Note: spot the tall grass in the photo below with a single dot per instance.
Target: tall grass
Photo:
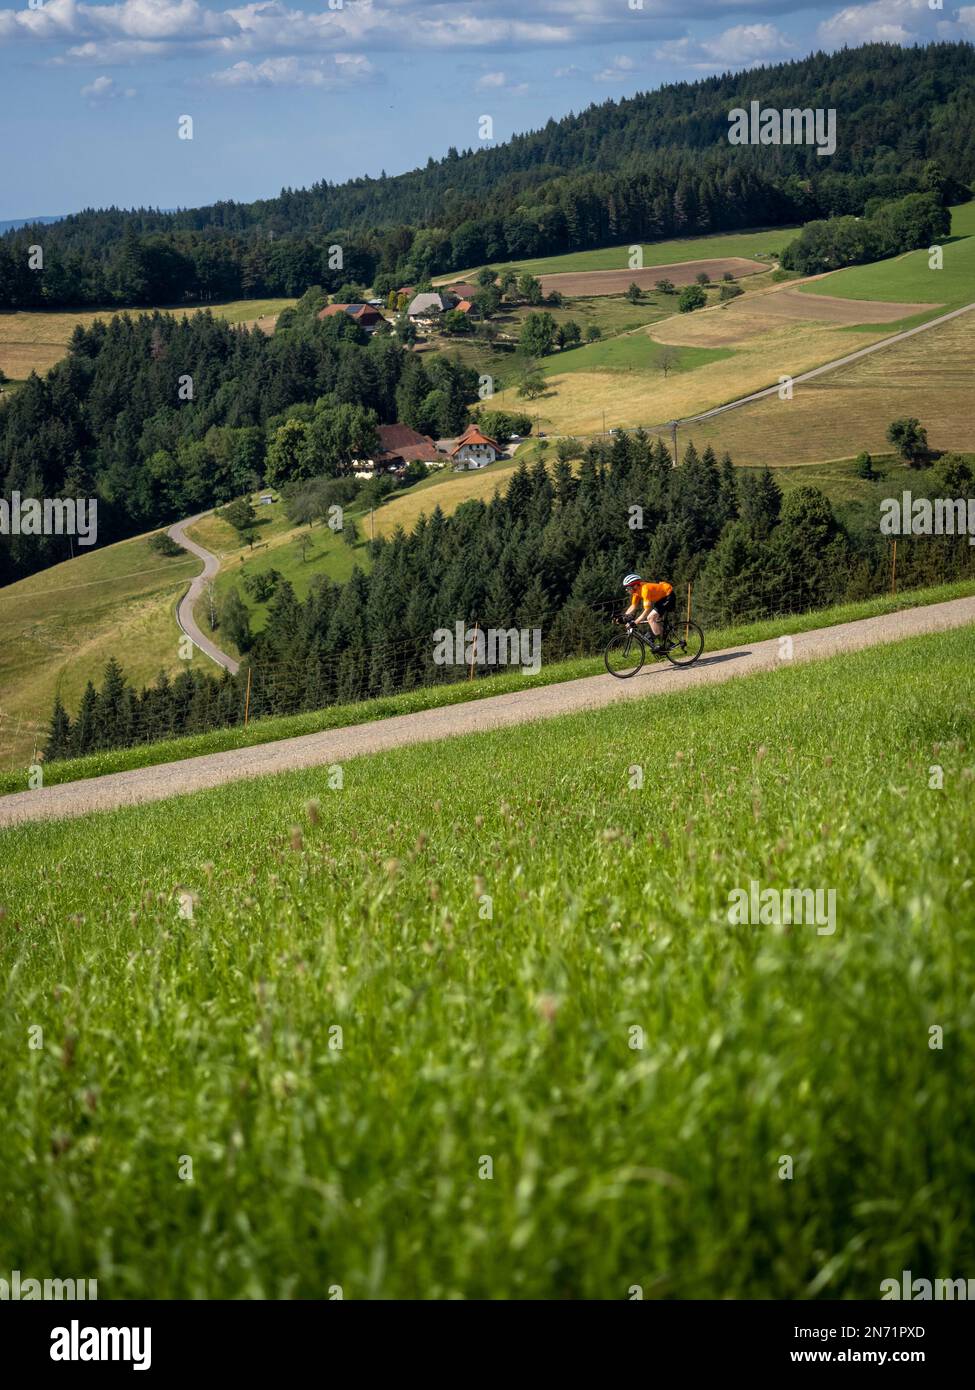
(487, 921)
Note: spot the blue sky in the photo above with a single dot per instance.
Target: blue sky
(290, 91)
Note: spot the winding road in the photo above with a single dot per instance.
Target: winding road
(493, 712)
(184, 609)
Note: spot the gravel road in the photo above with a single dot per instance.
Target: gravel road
(184, 609)
(493, 712)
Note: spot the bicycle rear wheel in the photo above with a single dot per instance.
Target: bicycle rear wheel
(624, 655)
(685, 643)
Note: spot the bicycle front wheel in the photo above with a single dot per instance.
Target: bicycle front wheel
(686, 643)
(624, 655)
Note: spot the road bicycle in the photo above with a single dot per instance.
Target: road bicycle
(682, 643)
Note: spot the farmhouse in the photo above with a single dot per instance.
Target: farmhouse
(364, 314)
(475, 450)
(423, 306)
(462, 290)
(398, 446)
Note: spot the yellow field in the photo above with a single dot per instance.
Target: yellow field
(447, 493)
(837, 415)
(34, 340)
(59, 627)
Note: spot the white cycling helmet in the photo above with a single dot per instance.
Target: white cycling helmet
(631, 579)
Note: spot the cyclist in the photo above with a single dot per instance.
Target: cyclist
(657, 599)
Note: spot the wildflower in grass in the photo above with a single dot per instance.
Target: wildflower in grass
(312, 809)
(297, 840)
(547, 1006)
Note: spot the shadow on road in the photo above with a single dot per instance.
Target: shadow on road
(714, 660)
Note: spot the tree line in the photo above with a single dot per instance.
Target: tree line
(888, 229)
(657, 165)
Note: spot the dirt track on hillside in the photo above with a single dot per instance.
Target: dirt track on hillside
(595, 282)
(496, 711)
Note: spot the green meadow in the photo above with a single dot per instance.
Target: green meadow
(272, 728)
(632, 352)
(701, 248)
(909, 278)
(476, 1023)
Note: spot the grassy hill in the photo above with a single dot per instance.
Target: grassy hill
(837, 415)
(752, 245)
(59, 627)
(910, 277)
(728, 350)
(278, 548)
(482, 1016)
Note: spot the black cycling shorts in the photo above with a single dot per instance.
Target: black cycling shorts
(665, 604)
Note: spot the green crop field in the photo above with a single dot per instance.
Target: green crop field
(477, 1024)
(632, 352)
(909, 278)
(748, 244)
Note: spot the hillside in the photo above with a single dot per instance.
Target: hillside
(484, 1016)
(656, 165)
(59, 627)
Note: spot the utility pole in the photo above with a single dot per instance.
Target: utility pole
(673, 427)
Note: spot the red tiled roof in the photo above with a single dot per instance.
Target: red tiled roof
(472, 435)
(464, 307)
(331, 309)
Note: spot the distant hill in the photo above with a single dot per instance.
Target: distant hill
(647, 167)
(18, 222)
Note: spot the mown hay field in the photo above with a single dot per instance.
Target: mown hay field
(929, 375)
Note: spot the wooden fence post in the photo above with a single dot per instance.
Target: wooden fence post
(688, 619)
(893, 570)
(247, 698)
(473, 651)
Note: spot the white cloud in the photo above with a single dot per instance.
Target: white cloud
(105, 89)
(331, 73)
(268, 26)
(497, 81)
(743, 45)
(619, 69)
(883, 21)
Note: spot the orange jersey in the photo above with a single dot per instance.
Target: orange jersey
(651, 594)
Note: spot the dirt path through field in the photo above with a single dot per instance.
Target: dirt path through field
(493, 712)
